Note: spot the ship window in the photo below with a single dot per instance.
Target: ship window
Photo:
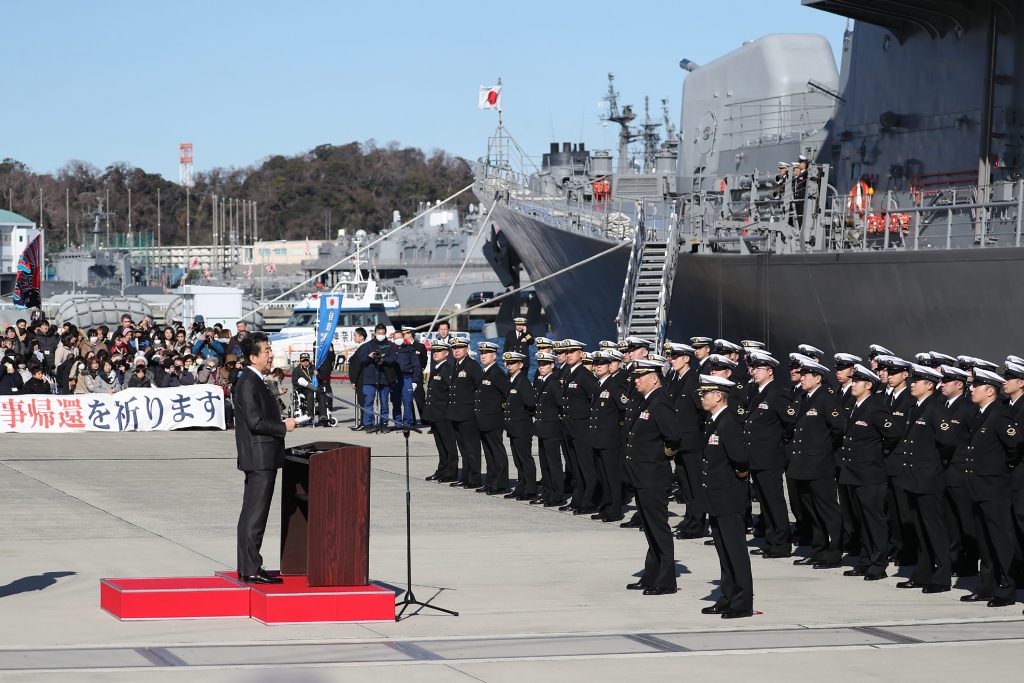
(301, 319)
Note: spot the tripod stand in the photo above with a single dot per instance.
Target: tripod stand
(409, 599)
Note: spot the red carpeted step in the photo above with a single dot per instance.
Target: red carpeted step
(194, 597)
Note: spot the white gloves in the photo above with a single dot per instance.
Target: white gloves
(303, 382)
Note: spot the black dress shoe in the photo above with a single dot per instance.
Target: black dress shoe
(565, 508)
(909, 583)
(973, 597)
(584, 511)
(825, 565)
(606, 520)
(710, 541)
(262, 576)
(597, 515)
(433, 477)
(1000, 602)
(714, 609)
(771, 555)
(446, 480)
(482, 489)
(757, 551)
(635, 586)
(358, 428)
(537, 500)
(875, 577)
(497, 492)
(855, 572)
(457, 483)
(935, 589)
(512, 494)
(524, 496)
(805, 560)
(633, 523)
(660, 591)
(687, 534)
(553, 504)
(737, 613)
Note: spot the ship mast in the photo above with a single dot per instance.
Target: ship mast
(649, 134)
(623, 118)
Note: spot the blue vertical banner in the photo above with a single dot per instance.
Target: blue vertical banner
(326, 320)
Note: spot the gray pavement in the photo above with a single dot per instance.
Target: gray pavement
(541, 593)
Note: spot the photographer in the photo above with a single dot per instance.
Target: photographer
(409, 377)
(198, 329)
(207, 345)
(378, 359)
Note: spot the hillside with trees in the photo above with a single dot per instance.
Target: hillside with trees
(352, 186)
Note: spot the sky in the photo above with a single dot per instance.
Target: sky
(116, 81)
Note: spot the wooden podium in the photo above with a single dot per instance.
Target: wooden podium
(325, 514)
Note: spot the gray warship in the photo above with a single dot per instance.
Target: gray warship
(897, 222)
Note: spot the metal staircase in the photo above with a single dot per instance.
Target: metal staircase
(647, 292)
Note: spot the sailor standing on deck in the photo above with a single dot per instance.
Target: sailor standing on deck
(963, 533)
(724, 488)
(578, 386)
(850, 534)
(651, 441)
(607, 416)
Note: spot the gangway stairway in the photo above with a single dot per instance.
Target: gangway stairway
(647, 291)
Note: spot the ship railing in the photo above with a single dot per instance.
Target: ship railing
(776, 119)
(632, 274)
(890, 222)
(574, 211)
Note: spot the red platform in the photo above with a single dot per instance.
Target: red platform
(295, 602)
(222, 595)
(199, 597)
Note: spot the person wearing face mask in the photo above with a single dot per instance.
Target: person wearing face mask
(405, 381)
(378, 360)
(91, 344)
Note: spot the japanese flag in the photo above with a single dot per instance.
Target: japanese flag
(332, 301)
(490, 97)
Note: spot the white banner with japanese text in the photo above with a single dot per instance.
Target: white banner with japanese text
(130, 410)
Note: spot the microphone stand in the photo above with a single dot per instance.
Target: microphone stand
(409, 599)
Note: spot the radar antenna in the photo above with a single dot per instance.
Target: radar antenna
(623, 118)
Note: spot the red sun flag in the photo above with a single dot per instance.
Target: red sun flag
(490, 97)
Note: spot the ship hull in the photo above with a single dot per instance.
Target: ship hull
(953, 301)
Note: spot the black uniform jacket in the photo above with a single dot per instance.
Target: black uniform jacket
(520, 345)
(652, 429)
(259, 431)
(963, 416)
(993, 451)
(547, 424)
(519, 406)
(929, 442)
(577, 391)
(768, 426)
(900, 409)
(466, 375)
(607, 414)
(490, 395)
(725, 458)
(438, 387)
(691, 415)
(1017, 413)
(816, 437)
(868, 427)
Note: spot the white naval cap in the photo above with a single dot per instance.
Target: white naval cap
(863, 373)
(809, 350)
(714, 383)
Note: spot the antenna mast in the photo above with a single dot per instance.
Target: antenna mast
(623, 118)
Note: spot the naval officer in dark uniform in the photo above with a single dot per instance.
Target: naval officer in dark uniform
(578, 385)
(993, 453)
(651, 441)
(438, 387)
(724, 488)
(768, 426)
(519, 340)
(547, 423)
(491, 393)
(259, 439)
(928, 444)
(816, 436)
(869, 425)
(466, 376)
(518, 417)
(607, 415)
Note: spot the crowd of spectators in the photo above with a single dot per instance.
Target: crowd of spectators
(40, 357)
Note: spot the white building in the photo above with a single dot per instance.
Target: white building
(15, 234)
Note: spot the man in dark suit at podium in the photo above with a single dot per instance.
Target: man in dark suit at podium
(259, 438)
